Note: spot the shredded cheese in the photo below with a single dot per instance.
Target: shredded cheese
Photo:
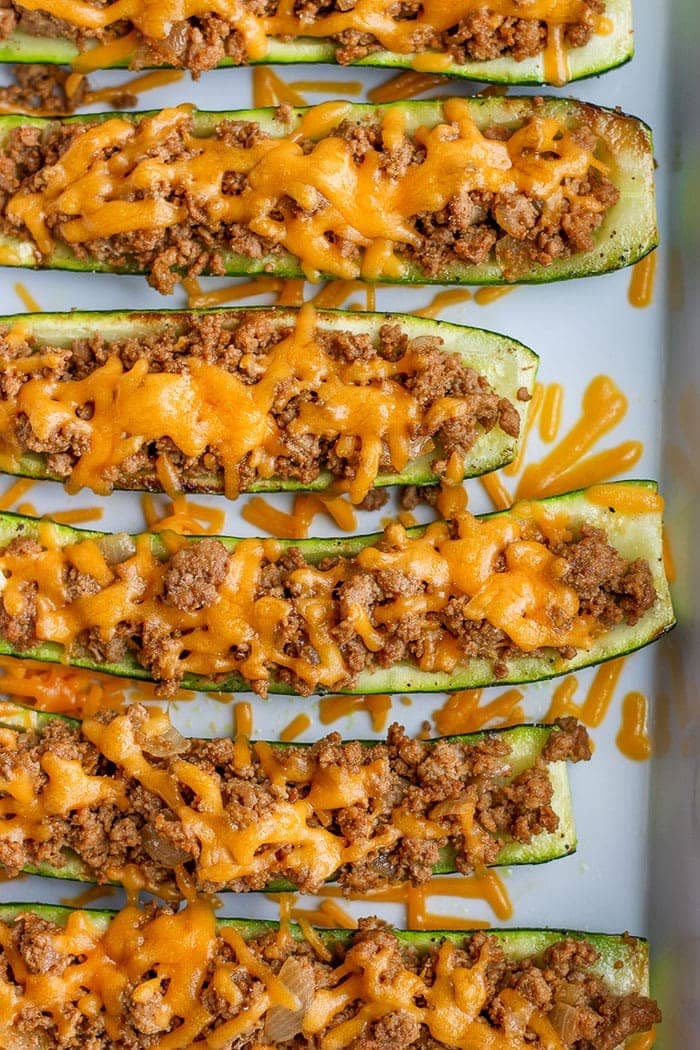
(258, 512)
(550, 416)
(69, 690)
(15, 491)
(26, 297)
(604, 405)
(377, 706)
(102, 186)
(295, 728)
(405, 85)
(633, 736)
(230, 293)
(596, 703)
(329, 87)
(443, 299)
(184, 517)
(496, 490)
(484, 885)
(271, 90)
(533, 412)
(486, 296)
(641, 288)
(77, 515)
(114, 93)
(328, 915)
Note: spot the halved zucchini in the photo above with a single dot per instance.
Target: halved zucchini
(505, 363)
(627, 233)
(630, 517)
(526, 743)
(121, 951)
(604, 51)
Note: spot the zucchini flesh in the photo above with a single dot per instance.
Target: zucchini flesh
(505, 363)
(633, 535)
(526, 743)
(628, 233)
(603, 52)
(623, 961)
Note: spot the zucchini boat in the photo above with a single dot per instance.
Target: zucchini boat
(455, 191)
(522, 595)
(560, 41)
(334, 989)
(364, 813)
(176, 397)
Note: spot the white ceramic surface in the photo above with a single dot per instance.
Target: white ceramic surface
(580, 329)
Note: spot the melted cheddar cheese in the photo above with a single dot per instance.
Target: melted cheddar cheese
(337, 217)
(166, 962)
(507, 578)
(377, 17)
(364, 406)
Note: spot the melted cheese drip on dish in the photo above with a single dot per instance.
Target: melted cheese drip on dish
(365, 406)
(228, 849)
(377, 17)
(633, 737)
(641, 288)
(567, 466)
(260, 513)
(110, 971)
(527, 599)
(463, 712)
(108, 182)
(594, 708)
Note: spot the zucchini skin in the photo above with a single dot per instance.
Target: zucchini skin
(526, 743)
(623, 962)
(628, 233)
(601, 54)
(630, 535)
(507, 363)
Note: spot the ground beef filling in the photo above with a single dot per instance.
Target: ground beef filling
(242, 350)
(561, 983)
(610, 589)
(514, 230)
(201, 43)
(423, 781)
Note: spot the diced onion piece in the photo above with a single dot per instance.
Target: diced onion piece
(117, 548)
(281, 1024)
(564, 1020)
(451, 807)
(161, 849)
(164, 745)
(28, 1041)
